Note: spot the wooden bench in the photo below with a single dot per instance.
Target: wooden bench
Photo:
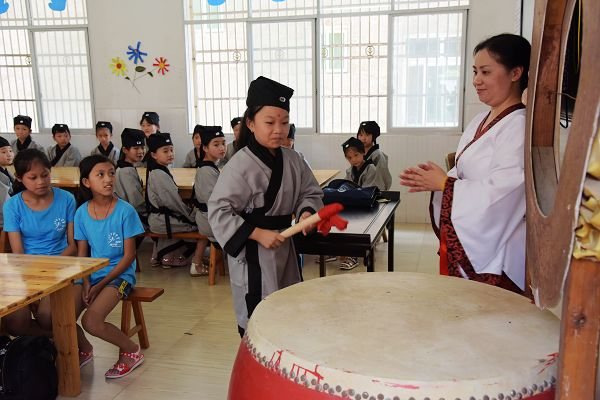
(216, 261)
(134, 302)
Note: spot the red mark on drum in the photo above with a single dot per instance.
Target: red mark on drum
(396, 385)
(552, 359)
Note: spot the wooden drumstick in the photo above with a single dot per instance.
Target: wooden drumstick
(324, 214)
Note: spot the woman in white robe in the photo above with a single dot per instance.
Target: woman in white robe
(478, 207)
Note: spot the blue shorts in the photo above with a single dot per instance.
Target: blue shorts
(123, 287)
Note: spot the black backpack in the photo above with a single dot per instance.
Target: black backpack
(27, 368)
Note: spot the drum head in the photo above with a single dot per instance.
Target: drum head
(406, 335)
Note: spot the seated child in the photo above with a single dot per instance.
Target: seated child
(167, 213)
(368, 132)
(105, 227)
(233, 147)
(104, 132)
(363, 173)
(23, 141)
(63, 154)
(214, 149)
(39, 220)
(195, 156)
(288, 142)
(149, 124)
(128, 185)
(6, 177)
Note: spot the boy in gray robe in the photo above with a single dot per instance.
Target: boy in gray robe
(368, 132)
(22, 124)
(362, 172)
(128, 185)
(255, 197)
(104, 131)
(207, 174)
(167, 213)
(63, 154)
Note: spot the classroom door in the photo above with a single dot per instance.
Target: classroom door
(284, 51)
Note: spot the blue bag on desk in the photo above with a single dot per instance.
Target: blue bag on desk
(27, 368)
(349, 194)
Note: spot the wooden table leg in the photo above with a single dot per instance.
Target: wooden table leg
(322, 271)
(65, 339)
(391, 227)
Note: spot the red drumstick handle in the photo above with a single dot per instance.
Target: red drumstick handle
(324, 213)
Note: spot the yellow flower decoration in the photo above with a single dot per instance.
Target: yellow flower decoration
(118, 66)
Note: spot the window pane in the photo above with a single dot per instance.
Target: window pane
(283, 51)
(411, 4)
(360, 6)
(353, 72)
(16, 15)
(73, 12)
(63, 73)
(16, 79)
(275, 8)
(218, 71)
(203, 10)
(426, 70)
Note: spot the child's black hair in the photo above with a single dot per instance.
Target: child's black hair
(359, 148)
(23, 163)
(244, 130)
(85, 168)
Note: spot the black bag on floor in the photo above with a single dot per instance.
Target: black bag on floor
(28, 368)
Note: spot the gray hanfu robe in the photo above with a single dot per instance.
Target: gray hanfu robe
(192, 159)
(257, 189)
(167, 211)
(29, 144)
(206, 178)
(365, 176)
(128, 187)
(380, 159)
(70, 157)
(6, 179)
(112, 152)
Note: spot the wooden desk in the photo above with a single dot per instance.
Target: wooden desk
(365, 227)
(25, 279)
(68, 177)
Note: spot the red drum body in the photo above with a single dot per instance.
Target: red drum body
(380, 336)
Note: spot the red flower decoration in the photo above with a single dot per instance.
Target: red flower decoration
(162, 65)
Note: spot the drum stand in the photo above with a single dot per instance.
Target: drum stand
(552, 203)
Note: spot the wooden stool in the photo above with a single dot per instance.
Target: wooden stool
(134, 302)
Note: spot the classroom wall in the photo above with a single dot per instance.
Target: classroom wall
(158, 24)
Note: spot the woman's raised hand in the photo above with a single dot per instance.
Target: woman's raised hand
(424, 178)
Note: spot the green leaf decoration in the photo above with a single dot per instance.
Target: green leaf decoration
(127, 78)
(139, 68)
(150, 73)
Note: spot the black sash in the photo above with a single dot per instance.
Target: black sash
(59, 153)
(167, 212)
(25, 144)
(106, 153)
(357, 172)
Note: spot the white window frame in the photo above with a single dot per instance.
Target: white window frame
(318, 59)
(31, 29)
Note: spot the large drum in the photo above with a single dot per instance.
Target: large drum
(406, 336)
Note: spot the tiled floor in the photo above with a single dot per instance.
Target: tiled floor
(192, 329)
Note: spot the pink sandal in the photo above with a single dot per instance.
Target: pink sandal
(85, 357)
(121, 369)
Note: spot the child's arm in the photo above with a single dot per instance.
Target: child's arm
(71, 248)
(83, 250)
(129, 251)
(163, 188)
(372, 177)
(16, 244)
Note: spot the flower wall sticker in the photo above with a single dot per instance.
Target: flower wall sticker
(119, 67)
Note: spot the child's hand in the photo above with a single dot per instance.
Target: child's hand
(308, 229)
(92, 294)
(268, 239)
